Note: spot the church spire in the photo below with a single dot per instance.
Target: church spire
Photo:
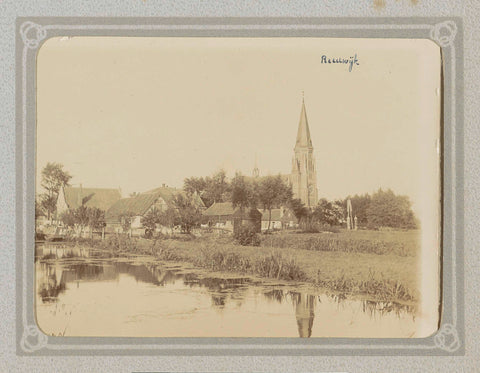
(304, 175)
(303, 134)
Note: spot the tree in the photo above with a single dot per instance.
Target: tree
(82, 217)
(188, 214)
(327, 212)
(272, 192)
(48, 204)
(299, 209)
(150, 220)
(242, 193)
(210, 189)
(68, 218)
(193, 185)
(96, 218)
(389, 210)
(54, 177)
(126, 220)
(169, 218)
(360, 204)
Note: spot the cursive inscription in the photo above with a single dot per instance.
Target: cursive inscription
(349, 61)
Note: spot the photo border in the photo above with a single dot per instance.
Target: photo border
(31, 32)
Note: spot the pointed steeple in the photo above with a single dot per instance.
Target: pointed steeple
(303, 134)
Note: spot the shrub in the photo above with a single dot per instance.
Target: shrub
(247, 236)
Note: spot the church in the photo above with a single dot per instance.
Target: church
(303, 178)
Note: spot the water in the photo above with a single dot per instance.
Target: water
(88, 297)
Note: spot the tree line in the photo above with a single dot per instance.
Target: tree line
(265, 193)
(381, 209)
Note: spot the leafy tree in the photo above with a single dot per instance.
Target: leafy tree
(272, 192)
(187, 213)
(69, 218)
(210, 189)
(360, 204)
(242, 192)
(82, 217)
(327, 212)
(193, 185)
(169, 217)
(96, 218)
(389, 210)
(48, 204)
(150, 221)
(126, 220)
(54, 177)
(299, 210)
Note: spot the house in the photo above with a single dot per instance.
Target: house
(280, 219)
(74, 197)
(224, 215)
(139, 205)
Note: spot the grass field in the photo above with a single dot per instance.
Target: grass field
(373, 264)
(401, 243)
(380, 265)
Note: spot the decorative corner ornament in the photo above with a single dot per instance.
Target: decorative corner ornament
(33, 339)
(447, 338)
(32, 34)
(444, 33)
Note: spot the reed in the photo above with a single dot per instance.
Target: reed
(380, 243)
(375, 285)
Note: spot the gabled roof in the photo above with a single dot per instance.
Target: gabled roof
(303, 135)
(101, 198)
(141, 203)
(220, 209)
(168, 194)
(226, 209)
(137, 206)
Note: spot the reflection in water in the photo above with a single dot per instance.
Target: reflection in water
(304, 312)
(378, 309)
(240, 304)
(51, 287)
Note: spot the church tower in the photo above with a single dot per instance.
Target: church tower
(304, 173)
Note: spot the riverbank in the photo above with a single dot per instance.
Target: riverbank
(390, 275)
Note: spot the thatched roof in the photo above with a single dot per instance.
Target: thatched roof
(137, 206)
(91, 197)
(141, 203)
(226, 209)
(220, 209)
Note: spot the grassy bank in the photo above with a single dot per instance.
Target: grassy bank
(379, 275)
(401, 243)
(383, 277)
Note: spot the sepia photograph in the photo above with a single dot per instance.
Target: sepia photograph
(238, 187)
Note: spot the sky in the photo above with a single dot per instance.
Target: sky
(137, 113)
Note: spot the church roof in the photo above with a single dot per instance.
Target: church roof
(303, 134)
